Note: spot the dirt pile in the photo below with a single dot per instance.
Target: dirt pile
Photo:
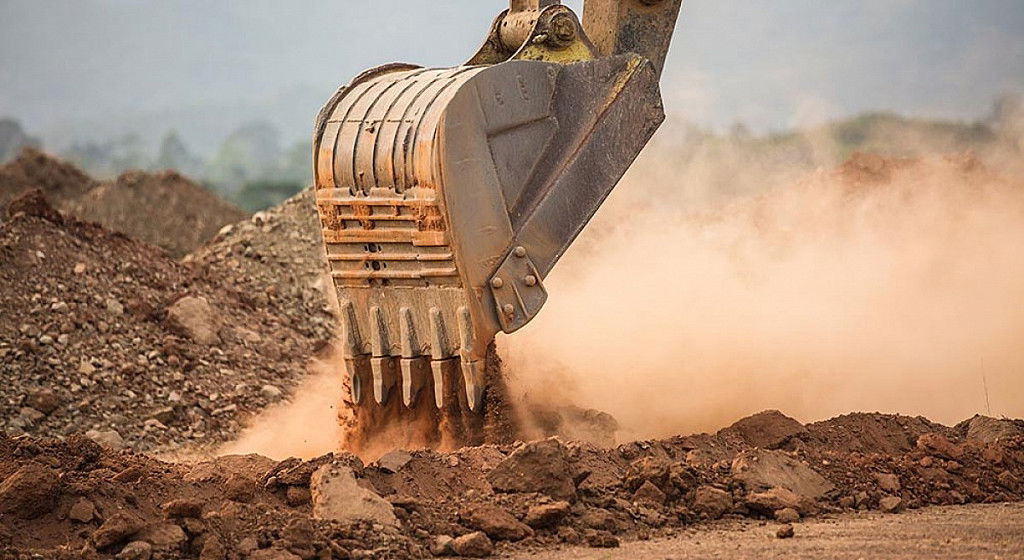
(164, 208)
(78, 500)
(60, 181)
(277, 258)
(108, 334)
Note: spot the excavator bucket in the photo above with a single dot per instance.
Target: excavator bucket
(447, 195)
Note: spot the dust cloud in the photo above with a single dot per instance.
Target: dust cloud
(893, 286)
(305, 426)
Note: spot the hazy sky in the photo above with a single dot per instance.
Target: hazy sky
(70, 68)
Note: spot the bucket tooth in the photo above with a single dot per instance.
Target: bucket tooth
(379, 333)
(439, 344)
(473, 378)
(437, 371)
(358, 369)
(352, 341)
(384, 378)
(415, 374)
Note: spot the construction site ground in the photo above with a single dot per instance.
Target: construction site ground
(126, 370)
(973, 532)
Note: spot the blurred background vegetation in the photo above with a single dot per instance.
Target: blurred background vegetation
(253, 169)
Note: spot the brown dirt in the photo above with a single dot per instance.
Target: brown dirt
(974, 532)
(95, 350)
(86, 329)
(637, 491)
(277, 258)
(60, 181)
(371, 430)
(164, 208)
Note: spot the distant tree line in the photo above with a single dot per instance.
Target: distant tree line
(252, 169)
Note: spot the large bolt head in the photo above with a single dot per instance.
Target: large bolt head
(563, 29)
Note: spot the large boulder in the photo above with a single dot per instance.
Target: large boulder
(338, 496)
(763, 469)
(540, 466)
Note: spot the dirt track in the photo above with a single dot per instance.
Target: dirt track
(993, 531)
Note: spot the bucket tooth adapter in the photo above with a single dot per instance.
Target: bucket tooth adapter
(447, 195)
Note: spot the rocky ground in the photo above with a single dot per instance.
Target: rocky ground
(277, 257)
(79, 499)
(110, 335)
(969, 532)
(110, 348)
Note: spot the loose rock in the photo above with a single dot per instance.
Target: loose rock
(891, 504)
(116, 529)
(136, 550)
(601, 539)
(546, 515)
(540, 466)
(183, 508)
(82, 511)
(44, 400)
(497, 523)
(394, 461)
(473, 545)
(767, 503)
(712, 502)
(32, 491)
(338, 497)
(194, 318)
(937, 444)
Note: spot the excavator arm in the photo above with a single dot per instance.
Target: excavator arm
(447, 195)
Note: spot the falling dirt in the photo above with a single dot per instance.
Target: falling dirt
(370, 430)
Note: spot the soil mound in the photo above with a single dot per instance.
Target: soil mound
(276, 257)
(871, 433)
(109, 334)
(78, 499)
(165, 209)
(60, 181)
